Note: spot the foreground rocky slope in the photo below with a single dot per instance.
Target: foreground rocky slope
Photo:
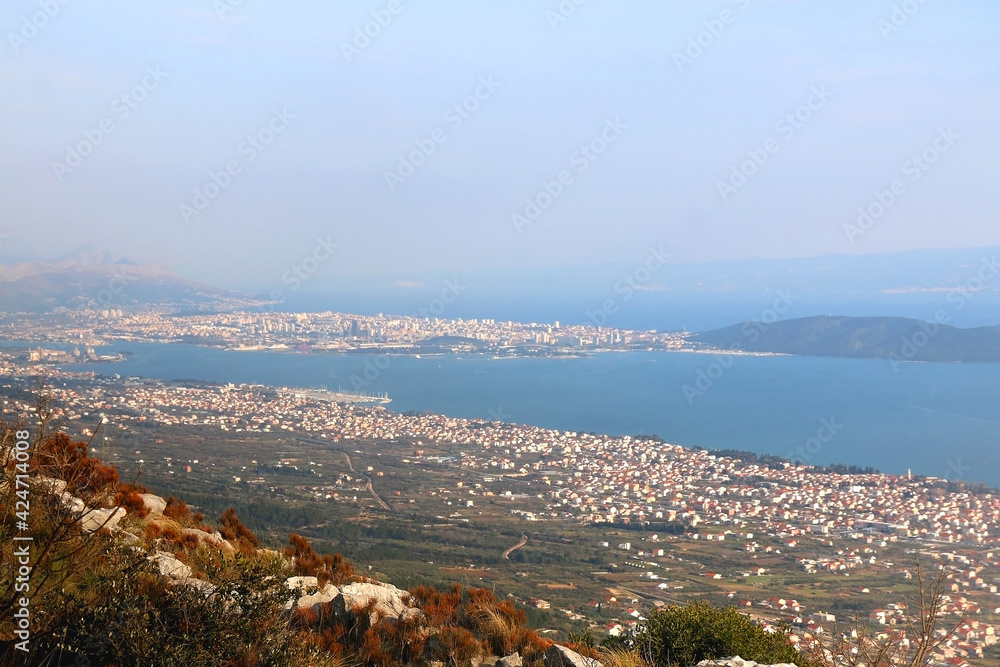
(121, 576)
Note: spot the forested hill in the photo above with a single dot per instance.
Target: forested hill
(862, 337)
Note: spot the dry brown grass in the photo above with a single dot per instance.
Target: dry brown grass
(620, 657)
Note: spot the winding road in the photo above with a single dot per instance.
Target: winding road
(350, 466)
(376, 496)
(524, 540)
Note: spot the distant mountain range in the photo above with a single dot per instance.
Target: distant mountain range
(894, 338)
(95, 279)
(670, 296)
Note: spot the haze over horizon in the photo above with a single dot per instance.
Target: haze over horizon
(533, 332)
(674, 296)
(183, 86)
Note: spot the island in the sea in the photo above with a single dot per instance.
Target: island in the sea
(160, 307)
(895, 338)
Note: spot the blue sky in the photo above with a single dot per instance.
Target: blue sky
(682, 125)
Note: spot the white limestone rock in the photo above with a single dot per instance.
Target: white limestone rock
(170, 566)
(560, 656)
(206, 589)
(391, 602)
(301, 583)
(512, 660)
(71, 503)
(736, 661)
(314, 596)
(154, 504)
(50, 484)
(95, 519)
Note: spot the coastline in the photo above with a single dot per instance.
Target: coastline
(642, 392)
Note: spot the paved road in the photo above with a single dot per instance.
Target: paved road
(376, 496)
(524, 540)
(368, 480)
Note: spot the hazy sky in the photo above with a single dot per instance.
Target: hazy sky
(667, 96)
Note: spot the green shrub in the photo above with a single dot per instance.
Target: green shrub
(684, 636)
(130, 615)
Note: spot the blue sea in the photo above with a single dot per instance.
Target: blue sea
(935, 419)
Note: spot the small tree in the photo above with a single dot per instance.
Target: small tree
(914, 644)
(60, 475)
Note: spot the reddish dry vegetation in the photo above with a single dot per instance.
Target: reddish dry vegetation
(177, 510)
(329, 568)
(441, 607)
(129, 498)
(61, 457)
(456, 625)
(239, 535)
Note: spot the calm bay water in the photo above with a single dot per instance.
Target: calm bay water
(937, 419)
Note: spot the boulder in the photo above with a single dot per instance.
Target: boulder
(216, 541)
(215, 537)
(301, 583)
(736, 661)
(390, 601)
(513, 660)
(329, 593)
(200, 585)
(95, 519)
(560, 656)
(170, 566)
(91, 520)
(71, 503)
(50, 484)
(315, 598)
(154, 504)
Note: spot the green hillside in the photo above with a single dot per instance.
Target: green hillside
(894, 338)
